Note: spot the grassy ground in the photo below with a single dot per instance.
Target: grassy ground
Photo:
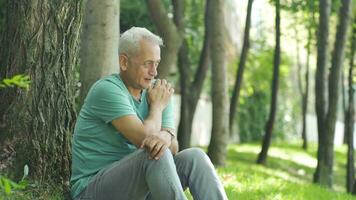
(286, 176)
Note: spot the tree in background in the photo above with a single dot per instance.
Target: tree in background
(350, 116)
(191, 84)
(220, 129)
(170, 35)
(41, 39)
(274, 91)
(326, 108)
(304, 88)
(241, 66)
(99, 43)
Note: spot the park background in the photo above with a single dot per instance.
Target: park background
(265, 87)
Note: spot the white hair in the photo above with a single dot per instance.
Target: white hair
(129, 40)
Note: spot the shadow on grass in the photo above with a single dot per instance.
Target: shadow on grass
(296, 170)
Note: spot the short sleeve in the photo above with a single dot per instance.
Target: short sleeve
(109, 101)
(168, 115)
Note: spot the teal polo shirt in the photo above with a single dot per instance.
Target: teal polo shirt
(96, 143)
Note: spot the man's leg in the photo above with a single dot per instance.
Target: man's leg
(135, 175)
(196, 171)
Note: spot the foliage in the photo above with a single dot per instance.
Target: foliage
(20, 80)
(9, 188)
(255, 94)
(135, 13)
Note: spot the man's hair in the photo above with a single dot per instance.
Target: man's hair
(129, 40)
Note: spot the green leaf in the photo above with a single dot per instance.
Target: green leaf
(7, 185)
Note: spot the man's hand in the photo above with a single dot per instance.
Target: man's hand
(155, 145)
(159, 94)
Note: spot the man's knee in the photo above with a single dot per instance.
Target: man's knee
(166, 158)
(195, 155)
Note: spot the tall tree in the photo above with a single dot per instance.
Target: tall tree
(220, 129)
(327, 118)
(302, 91)
(350, 116)
(99, 44)
(241, 66)
(190, 84)
(320, 75)
(305, 91)
(41, 40)
(274, 92)
(170, 34)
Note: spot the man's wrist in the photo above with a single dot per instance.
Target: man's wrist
(171, 133)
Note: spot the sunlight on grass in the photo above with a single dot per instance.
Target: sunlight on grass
(286, 176)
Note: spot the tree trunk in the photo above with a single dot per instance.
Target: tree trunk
(305, 94)
(343, 100)
(320, 78)
(350, 117)
(241, 67)
(220, 129)
(190, 90)
(325, 161)
(303, 91)
(171, 37)
(42, 41)
(269, 125)
(99, 46)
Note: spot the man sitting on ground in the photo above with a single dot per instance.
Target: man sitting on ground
(124, 143)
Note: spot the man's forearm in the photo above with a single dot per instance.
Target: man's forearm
(152, 124)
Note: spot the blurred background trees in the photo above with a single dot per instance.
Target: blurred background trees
(214, 51)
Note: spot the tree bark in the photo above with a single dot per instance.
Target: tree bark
(99, 46)
(220, 129)
(262, 157)
(170, 34)
(320, 77)
(190, 86)
(241, 67)
(350, 116)
(42, 41)
(324, 170)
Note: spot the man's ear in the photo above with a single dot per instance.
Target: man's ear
(123, 62)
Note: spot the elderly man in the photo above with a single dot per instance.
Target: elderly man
(124, 144)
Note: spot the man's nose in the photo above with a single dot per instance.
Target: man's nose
(153, 71)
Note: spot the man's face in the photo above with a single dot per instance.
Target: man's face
(142, 67)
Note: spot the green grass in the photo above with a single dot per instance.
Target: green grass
(287, 175)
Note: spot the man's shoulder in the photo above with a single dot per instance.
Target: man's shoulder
(111, 83)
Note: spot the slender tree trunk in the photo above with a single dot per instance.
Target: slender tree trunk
(320, 78)
(190, 90)
(269, 125)
(99, 45)
(220, 129)
(42, 41)
(306, 92)
(170, 34)
(303, 91)
(325, 161)
(241, 67)
(350, 116)
(343, 98)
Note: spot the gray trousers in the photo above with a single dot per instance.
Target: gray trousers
(136, 177)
